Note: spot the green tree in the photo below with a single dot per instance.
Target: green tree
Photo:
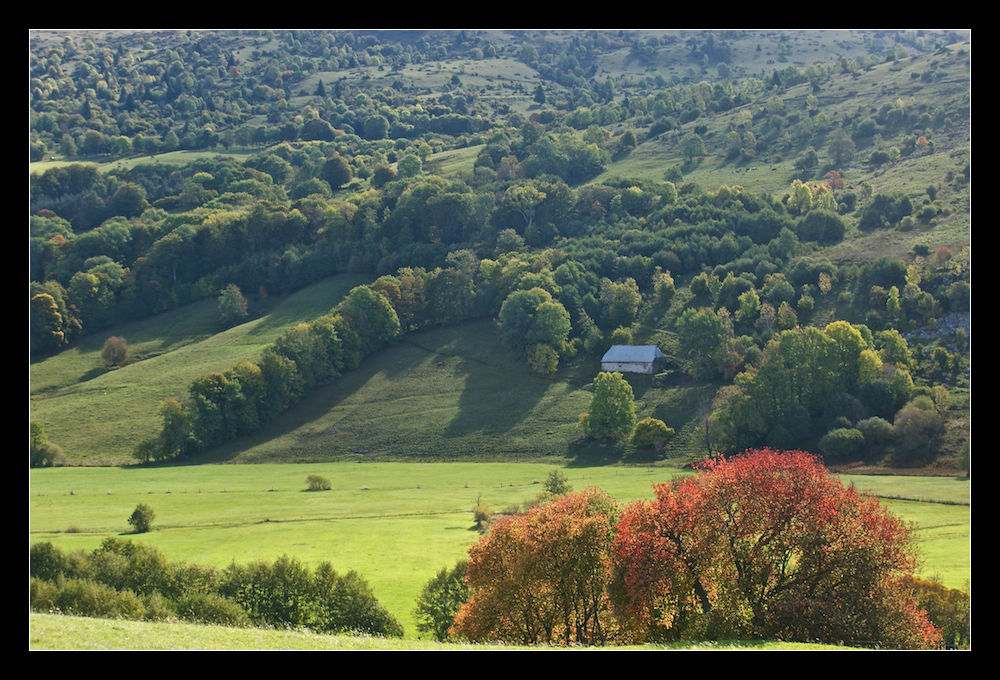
(441, 598)
(651, 432)
(557, 484)
(336, 172)
(702, 342)
(232, 305)
(142, 518)
(612, 408)
(42, 452)
(409, 166)
(376, 127)
(692, 146)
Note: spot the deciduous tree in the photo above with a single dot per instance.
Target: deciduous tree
(115, 352)
(440, 600)
(541, 577)
(142, 518)
(232, 305)
(612, 408)
(767, 544)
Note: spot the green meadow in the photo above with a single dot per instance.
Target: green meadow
(53, 632)
(395, 523)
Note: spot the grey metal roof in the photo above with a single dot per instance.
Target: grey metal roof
(632, 354)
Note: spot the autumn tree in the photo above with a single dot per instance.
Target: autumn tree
(115, 352)
(541, 577)
(767, 544)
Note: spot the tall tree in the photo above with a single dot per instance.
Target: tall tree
(612, 408)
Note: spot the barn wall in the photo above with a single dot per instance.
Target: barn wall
(626, 367)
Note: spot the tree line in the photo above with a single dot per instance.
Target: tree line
(125, 579)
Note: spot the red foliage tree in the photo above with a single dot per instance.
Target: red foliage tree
(834, 179)
(541, 577)
(767, 544)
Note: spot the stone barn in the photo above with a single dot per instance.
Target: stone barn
(633, 359)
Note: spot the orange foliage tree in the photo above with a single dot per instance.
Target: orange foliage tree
(541, 577)
(766, 544)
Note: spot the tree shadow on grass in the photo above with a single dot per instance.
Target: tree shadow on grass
(445, 393)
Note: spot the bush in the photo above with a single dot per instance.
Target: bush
(86, 598)
(142, 518)
(651, 432)
(842, 444)
(46, 561)
(318, 483)
(211, 609)
(483, 515)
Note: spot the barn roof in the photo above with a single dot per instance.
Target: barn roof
(632, 354)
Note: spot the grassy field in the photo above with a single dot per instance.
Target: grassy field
(98, 415)
(54, 632)
(395, 523)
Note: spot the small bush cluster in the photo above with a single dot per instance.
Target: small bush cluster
(318, 483)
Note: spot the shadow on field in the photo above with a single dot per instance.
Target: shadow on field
(438, 393)
(497, 391)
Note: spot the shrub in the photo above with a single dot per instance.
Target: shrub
(651, 432)
(318, 483)
(142, 518)
(211, 609)
(842, 444)
(483, 515)
(46, 561)
(87, 598)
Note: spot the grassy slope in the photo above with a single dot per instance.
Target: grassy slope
(98, 415)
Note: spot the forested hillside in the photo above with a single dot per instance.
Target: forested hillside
(786, 214)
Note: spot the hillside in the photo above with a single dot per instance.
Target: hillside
(458, 168)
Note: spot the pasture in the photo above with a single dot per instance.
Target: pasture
(397, 524)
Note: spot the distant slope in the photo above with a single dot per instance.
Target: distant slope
(97, 416)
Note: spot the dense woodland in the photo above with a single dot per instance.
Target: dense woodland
(327, 175)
